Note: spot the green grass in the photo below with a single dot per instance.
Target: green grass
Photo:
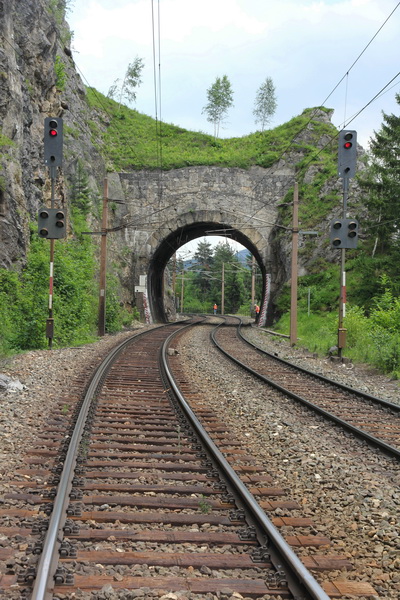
(368, 341)
(131, 140)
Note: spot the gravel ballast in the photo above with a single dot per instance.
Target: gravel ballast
(349, 490)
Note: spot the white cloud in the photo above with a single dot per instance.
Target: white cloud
(306, 46)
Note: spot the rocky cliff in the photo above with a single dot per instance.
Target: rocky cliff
(37, 79)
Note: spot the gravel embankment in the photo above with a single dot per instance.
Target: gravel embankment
(47, 376)
(350, 491)
(361, 377)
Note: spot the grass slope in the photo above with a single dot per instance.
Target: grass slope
(131, 140)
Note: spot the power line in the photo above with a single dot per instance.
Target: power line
(373, 99)
(345, 125)
(355, 116)
(361, 53)
(335, 87)
(157, 88)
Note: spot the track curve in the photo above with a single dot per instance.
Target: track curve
(372, 419)
(130, 484)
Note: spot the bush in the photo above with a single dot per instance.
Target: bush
(367, 341)
(196, 306)
(24, 296)
(245, 310)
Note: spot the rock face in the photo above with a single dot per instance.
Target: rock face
(193, 202)
(37, 79)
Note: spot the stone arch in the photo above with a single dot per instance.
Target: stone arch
(156, 214)
(167, 240)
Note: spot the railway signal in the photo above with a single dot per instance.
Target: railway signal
(344, 233)
(53, 141)
(51, 223)
(347, 155)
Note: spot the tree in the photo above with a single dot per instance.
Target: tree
(220, 99)
(383, 183)
(204, 258)
(80, 190)
(128, 88)
(233, 278)
(265, 103)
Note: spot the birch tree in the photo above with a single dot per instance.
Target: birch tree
(265, 103)
(220, 99)
(128, 88)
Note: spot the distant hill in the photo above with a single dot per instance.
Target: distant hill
(242, 256)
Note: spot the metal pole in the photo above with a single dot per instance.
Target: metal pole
(342, 298)
(103, 261)
(253, 283)
(183, 280)
(174, 273)
(293, 286)
(50, 320)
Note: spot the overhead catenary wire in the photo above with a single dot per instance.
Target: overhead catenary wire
(157, 89)
(291, 143)
(361, 53)
(287, 148)
(377, 95)
(293, 140)
(304, 166)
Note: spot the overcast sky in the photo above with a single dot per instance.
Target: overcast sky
(305, 46)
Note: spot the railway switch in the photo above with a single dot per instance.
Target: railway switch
(347, 155)
(344, 233)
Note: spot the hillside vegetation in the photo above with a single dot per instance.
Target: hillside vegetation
(128, 140)
(131, 140)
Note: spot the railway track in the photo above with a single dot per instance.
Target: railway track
(372, 419)
(131, 494)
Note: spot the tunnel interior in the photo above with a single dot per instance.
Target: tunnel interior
(176, 240)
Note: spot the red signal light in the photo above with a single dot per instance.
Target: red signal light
(346, 144)
(53, 124)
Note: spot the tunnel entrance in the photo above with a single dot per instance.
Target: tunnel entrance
(175, 240)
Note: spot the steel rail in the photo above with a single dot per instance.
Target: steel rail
(387, 448)
(44, 581)
(343, 386)
(305, 582)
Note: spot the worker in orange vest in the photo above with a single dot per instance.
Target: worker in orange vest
(257, 310)
(215, 309)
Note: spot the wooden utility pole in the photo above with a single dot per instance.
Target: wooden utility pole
(182, 285)
(174, 274)
(253, 283)
(223, 290)
(103, 262)
(293, 286)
